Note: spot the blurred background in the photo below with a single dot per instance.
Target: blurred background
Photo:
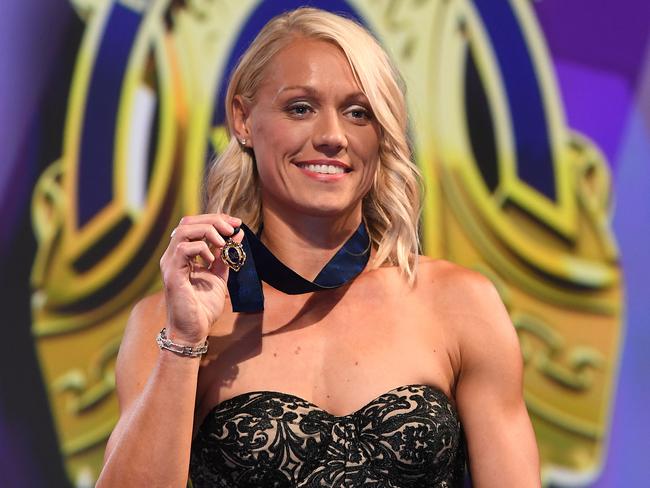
(530, 121)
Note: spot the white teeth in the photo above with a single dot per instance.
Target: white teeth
(326, 169)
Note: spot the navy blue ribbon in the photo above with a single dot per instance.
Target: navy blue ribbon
(245, 285)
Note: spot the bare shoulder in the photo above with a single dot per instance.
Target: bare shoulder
(446, 287)
(432, 266)
(469, 300)
(454, 279)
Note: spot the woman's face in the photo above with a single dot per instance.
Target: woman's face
(315, 140)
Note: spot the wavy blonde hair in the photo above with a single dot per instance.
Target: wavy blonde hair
(391, 209)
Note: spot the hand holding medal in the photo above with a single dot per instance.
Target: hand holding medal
(203, 250)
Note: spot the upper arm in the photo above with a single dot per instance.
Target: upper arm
(136, 358)
(489, 392)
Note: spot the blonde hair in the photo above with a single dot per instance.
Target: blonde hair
(391, 209)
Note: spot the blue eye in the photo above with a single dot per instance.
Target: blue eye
(360, 113)
(299, 109)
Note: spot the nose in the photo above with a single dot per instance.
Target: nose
(329, 134)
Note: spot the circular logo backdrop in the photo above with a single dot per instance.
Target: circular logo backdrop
(511, 191)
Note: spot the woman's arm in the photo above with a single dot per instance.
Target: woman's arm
(150, 445)
(489, 392)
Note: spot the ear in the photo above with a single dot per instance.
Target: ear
(241, 121)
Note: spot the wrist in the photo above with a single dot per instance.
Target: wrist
(171, 342)
(190, 339)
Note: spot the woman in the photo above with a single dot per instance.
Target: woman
(365, 381)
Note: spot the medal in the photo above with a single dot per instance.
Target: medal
(232, 253)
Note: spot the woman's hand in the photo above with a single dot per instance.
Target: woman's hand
(194, 276)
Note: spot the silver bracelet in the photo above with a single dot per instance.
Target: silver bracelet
(165, 342)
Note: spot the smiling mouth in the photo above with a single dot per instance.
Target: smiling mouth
(324, 168)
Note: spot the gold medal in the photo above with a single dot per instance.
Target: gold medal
(232, 253)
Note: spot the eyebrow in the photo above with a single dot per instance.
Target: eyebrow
(307, 88)
(313, 92)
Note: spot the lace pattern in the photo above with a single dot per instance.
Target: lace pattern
(407, 437)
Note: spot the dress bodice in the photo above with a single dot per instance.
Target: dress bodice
(408, 437)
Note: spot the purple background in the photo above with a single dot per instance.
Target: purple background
(601, 53)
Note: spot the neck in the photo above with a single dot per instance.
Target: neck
(306, 243)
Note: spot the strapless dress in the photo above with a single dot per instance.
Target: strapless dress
(409, 437)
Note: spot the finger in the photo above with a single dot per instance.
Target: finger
(197, 232)
(239, 235)
(178, 260)
(236, 221)
(224, 223)
(186, 251)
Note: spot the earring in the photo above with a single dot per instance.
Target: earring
(243, 142)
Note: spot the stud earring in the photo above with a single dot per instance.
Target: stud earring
(243, 142)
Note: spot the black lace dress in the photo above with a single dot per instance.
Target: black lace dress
(408, 437)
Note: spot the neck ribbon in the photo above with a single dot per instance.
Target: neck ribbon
(245, 285)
